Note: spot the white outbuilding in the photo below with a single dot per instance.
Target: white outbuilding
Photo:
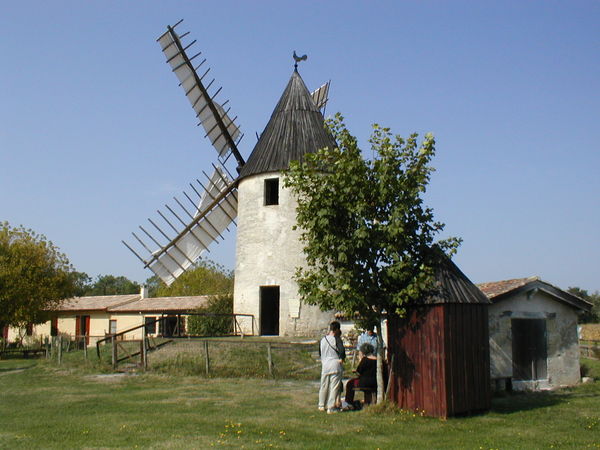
(533, 334)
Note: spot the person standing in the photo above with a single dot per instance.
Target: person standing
(368, 337)
(333, 355)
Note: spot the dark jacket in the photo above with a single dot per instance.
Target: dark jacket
(367, 373)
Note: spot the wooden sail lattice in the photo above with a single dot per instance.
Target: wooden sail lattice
(221, 130)
(185, 231)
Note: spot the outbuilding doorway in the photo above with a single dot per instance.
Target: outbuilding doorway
(529, 349)
(269, 310)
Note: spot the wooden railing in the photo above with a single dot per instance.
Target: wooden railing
(590, 349)
(148, 343)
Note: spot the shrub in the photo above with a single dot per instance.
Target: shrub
(207, 325)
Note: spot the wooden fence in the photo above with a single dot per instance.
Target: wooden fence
(590, 349)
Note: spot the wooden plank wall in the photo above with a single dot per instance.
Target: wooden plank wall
(468, 358)
(417, 344)
(441, 360)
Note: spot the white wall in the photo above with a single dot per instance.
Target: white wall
(267, 254)
(561, 330)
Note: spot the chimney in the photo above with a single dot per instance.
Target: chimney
(144, 291)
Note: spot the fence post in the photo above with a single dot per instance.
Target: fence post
(85, 349)
(269, 359)
(113, 341)
(144, 354)
(206, 357)
(59, 350)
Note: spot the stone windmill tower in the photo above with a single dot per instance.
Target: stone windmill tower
(267, 249)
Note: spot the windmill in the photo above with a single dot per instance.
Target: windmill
(267, 249)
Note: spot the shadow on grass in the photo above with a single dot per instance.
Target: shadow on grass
(15, 369)
(524, 401)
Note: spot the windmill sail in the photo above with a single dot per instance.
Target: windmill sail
(215, 211)
(222, 131)
(321, 95)
(191, 229)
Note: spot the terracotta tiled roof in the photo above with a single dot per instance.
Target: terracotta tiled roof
(494, 288)
(96, 303)
(497, 291)
(162, 304)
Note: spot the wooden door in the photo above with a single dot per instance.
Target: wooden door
(269, 310)
(82, 328)
(54, 326)
(529, 347)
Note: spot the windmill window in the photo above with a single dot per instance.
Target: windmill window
(272, 191)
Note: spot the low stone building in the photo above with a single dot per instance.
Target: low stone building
(533, 334)
(95, 317)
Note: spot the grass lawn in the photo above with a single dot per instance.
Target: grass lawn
(42, 406)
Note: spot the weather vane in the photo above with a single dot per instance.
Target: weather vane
(298, 59)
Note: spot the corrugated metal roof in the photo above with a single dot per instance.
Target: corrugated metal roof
(295, 128)
(95, 303)
(453, 286)
(497, 291)
(160, 304)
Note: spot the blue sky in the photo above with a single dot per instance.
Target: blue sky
(95, 134)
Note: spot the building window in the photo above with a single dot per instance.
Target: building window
(150, 323)
(272, 191)
(112, 326)
(29, 329)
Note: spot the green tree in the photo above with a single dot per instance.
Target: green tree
(368, 238)
(34, 276)
(112, 285)
(152, 284)
(594, 315)
(205, 279)
(213, 325)
(82, 282)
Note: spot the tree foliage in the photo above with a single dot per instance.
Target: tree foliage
(208, 325)
(594, 315)
(205, 279)
(152, 284)
(82, 283)
(34, 276)
(112, 285)
(368, 237)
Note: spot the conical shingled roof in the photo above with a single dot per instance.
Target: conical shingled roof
(295, 128)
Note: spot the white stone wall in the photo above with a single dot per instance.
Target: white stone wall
(267, 254)
(561, 330)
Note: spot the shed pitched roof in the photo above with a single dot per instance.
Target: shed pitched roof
(497, 291)
(453, 286)
(295, 128)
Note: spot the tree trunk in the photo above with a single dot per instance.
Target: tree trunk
(380, 385)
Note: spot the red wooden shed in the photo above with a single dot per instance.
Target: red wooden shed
(440, 350)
